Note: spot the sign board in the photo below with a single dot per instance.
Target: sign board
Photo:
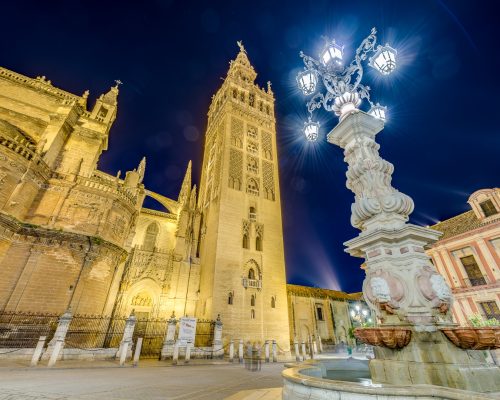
(187, 331)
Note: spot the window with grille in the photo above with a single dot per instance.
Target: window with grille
(319, 313)
(252, 187)
(490, 309)
(488, 208)
(252, 165)
(473, 271)
(252, 132)
(252, 214)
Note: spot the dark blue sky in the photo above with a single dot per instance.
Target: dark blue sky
(443, 101)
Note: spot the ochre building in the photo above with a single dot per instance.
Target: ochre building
(468, 256)
(74, 237)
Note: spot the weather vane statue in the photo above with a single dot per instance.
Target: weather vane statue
(343, 91)
(240, 45)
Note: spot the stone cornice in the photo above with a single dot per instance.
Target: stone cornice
(11, 227)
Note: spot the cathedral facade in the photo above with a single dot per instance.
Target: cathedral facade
(74, 237)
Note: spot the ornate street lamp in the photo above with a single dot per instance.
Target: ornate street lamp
(344, 91)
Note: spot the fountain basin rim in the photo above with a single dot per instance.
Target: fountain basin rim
(294, 375)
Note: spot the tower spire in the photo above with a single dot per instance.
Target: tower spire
(186, 184)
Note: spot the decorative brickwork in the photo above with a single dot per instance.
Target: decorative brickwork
(237, 132)
(235, 169)
(268, 175)
(267, 146)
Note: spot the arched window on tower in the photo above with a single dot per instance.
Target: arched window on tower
(245, 241)
(252, 214)
(230, 298)
(258, 243)
(273, 302)
(149, 242)
(252, 301)
(252, 187)
(252, 314)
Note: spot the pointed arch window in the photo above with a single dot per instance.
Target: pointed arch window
(150, 237)
(258, 243)
(252, 301)
(273, 302)
(245, 241)
(252, 214)
(230, 298)
(251, 273)
(252, 314)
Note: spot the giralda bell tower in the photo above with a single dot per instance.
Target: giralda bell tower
(241, 247)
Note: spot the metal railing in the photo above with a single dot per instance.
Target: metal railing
(252, 283)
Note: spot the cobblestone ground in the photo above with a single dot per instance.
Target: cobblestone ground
(150, 380)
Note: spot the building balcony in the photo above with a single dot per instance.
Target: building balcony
(252, 283)
(478, 281)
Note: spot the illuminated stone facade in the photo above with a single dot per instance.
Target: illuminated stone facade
(74, 237)
(468, 256)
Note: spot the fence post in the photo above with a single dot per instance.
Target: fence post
(169, 339)
(137, 353)
(175, 356)
(315, 346)
(57, 342)
(217, 344)
(303, 345)
(126, 342)
(266, 350)
(296, 348)
(275, 351)
(38, 351)
(240, 351)
(231, 350)
(188, 353)
(311, 350)
(320, 343)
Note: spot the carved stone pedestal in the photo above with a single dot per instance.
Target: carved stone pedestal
(430, 358)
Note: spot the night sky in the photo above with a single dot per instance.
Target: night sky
(443, 103)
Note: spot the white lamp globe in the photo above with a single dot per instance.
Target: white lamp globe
(307, 81)
(311, 130)
(379, 112)
(332, 54)
(384, 60)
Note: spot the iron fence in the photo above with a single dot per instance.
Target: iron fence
(22, 330)
(94, 331)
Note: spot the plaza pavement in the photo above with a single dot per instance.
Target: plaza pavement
(151, 380)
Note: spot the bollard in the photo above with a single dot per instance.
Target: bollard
(169, 339)
(275, 351)
(240, 351)
(266, 350)
(38, 351)
(315, 347)
(137, 353)
(175, 356)
(217, 343)
(231, 351)
(296, 348)
(188, 353)
(57, 342)
(303, 345)
(126, 342)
